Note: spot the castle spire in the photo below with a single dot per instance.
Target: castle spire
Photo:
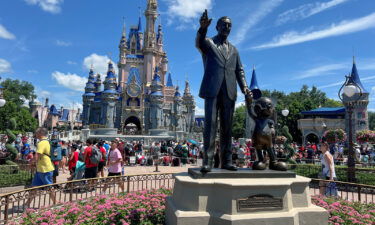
(169, 81)
(355, 77)
(254, 85)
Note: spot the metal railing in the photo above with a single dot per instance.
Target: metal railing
(347, 191)
(14, 204)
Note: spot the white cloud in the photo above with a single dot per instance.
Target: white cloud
(33, 71)
(306, 10)
(321, 71)
(4, 33)
(199, 111)
(342, 82)
(184, 12)
(187, 9)
(255, 16)
(344, 27)
(63, 43)
(239, 103)
(69, 80)
(5, 66)
(44, 94)
(71, 62)
(52, 6)
(99, 62)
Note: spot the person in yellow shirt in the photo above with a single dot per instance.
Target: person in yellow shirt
(44, 166)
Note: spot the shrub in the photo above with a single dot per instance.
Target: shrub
(144, 207)
(344, 212)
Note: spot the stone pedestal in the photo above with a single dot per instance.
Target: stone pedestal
(252, 197)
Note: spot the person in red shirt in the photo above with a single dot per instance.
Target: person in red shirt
(91, 170)
(73, 159)
(102, 161)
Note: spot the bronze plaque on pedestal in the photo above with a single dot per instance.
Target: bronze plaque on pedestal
(259, 202)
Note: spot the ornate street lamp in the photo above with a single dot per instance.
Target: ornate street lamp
(285, 112)
(2, 100)
(353, 93)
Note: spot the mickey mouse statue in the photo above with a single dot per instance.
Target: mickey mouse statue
(263, 132)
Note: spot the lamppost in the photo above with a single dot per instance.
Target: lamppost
(2, 100)
(353, 93)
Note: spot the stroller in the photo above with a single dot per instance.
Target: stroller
(79, 174)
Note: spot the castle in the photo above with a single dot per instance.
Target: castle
(140, 100)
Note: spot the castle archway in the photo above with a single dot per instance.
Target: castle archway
(312, 138)
(132, 126)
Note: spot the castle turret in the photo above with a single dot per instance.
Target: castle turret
(150, 40)
(123, 46)
(169, 81)
(159, 39)
(109, 97)
(358, 103)
(98, 83)
(156, 102)
(177, 103)
(88, 98)
(188, 101)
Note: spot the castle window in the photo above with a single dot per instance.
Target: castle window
(359, 115)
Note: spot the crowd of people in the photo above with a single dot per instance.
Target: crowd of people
(99, 158)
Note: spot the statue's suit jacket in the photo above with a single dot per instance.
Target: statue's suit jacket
(218, 66)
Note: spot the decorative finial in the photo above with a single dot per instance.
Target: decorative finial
(123, 26)
(110, 57)
(253, 66)
(353, 59)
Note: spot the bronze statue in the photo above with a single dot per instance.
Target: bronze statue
(263, 132)
(222, 70)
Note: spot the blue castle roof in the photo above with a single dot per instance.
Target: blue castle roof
(65, 114)
(169, 81)
(89, 94)
(157, 93)
(134, 56)
(140, 24)
(110, 73)
(53, 110)
(110, 91)
(325, 111)
(156, 76)
(135, 32)
(355, 77)
(254, 86)
(177, 93)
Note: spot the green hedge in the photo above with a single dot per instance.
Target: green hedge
(364, 176)
(13, 176)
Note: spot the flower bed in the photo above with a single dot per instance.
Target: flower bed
(366, 136)
(344, 212)
(144, 207)
(148, 208)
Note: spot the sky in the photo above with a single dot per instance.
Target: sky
(52, 43)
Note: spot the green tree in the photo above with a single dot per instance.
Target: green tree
(13, 89)
(296, 102)
(371, 120)
(239, 121)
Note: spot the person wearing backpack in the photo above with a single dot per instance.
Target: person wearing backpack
(103, 160)
(91, 159)
(56, 157)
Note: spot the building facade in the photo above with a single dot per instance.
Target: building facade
(50, 117)
(315, 122)
(142, 98)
